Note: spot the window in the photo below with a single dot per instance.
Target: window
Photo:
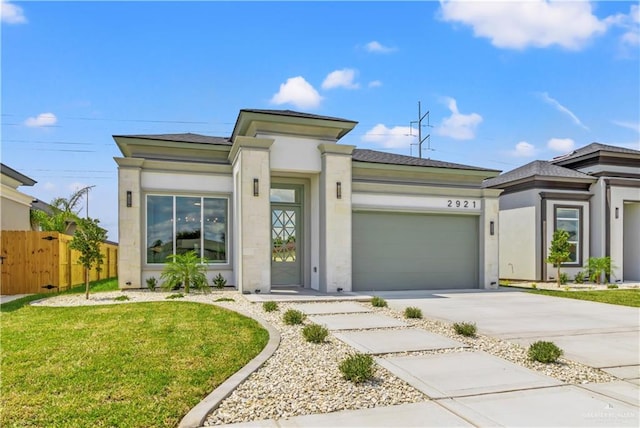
(570, 219)
(178, 224)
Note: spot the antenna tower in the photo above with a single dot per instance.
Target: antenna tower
(421, 140)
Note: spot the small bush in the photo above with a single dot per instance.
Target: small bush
(544, 352)
(152, 283)
(579, 278)
(121, 298)
(219, 281)
(378, 302)
(564, 278)
(412, 312)
(270, 306)
(567, 288)
(293, 316)
(175, 296)
(357, 368)
(224, 299)
(465, 328)
(534, 285)
(315, 333)
(610, 286)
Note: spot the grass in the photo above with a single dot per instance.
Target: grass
(627, 297)
(134, 365)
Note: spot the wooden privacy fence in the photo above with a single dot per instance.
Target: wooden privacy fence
(37, 262)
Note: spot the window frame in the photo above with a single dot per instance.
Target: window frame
(580, 234)
(202, 197)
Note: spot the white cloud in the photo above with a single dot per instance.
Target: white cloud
(634, 126)
(546, 98)
(341, 79)
(524, 150)
(564, 145)
(297, 91)
(377, 47)
(390, 138)
(459, 126)
(43, 119)
(11, 14)
(522, 24)
(375, 84)
(630, 24)
(49, 186)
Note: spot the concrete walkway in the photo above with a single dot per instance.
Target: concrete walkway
(474, 388)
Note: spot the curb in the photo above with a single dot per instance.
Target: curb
(198, 415)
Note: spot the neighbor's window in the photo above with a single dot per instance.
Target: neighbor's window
(178, 224)
(568, 219)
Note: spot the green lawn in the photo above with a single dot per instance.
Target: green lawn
(627, 297)
(131, 365)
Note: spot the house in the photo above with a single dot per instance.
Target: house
(282, 203)
(593, 193)
(15, 205)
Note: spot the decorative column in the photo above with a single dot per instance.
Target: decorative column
(488, 229)
(130, 231)
(335, 217)
(252, 183)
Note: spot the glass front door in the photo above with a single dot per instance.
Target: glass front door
(286, 237)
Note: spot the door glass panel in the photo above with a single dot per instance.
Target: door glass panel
(283, 235)
(283, 195)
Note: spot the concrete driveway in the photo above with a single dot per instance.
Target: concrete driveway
(596, 334)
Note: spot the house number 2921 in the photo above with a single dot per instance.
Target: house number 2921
(457, 203)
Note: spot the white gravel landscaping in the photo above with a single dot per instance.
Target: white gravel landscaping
(303, 378)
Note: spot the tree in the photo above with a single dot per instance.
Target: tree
(87, 239)
(185, 269)
(64, 211)
(597, 266)
(560, 250)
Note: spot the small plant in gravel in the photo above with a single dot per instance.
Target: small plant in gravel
(315, 333)
(175, 296)
(534, 285)
(465, 329)
(579, 278)
(378, 302)
(219, 281)
(610, 286)
(412, 312)
(270, 306)
(564, 278)
(224, 299)
(121, 298)
(293, 316)
(152, 283)
(567, 288)
(544, 352)
(357, 368)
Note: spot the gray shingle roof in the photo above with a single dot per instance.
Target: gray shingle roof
(373, 156)
(292, 113)
(594, 148)
(183, 138)
(18, 176)
(536, 168)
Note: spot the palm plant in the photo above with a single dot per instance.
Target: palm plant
(64, 211)
(185, 269)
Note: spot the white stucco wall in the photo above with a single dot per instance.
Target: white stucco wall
(518, 243)
(184, 182)
(15, 208)
(619, 195)
(631, 237)
(294, 154)
(130, 233)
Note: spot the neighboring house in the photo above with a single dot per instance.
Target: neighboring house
(15, 205)
(593, 193)
(281, 203)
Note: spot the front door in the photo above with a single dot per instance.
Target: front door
(286, 241)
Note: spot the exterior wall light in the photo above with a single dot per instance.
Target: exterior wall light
(129, 199)
(617, 212)
(256, 187)
(339, 190)
(492, 228)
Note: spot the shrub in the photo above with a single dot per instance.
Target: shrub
(219, 281)
(579, 278)
(186, 269)
(357, 368)
(412, 312)
(293, 316)
(598, 266)
(378, 302)
(175, 296)
(544, 352)
(315, 333)
(465, 328)
(224, 299)
(564, 278)
(121, 298)
(152, 283)
(610, 286)
(270, 306)
(534, 285)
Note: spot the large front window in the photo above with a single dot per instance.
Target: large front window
(568, 219)
(178, 224)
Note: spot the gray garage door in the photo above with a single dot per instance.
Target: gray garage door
(393, 251)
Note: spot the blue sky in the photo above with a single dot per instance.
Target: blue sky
(505, 83)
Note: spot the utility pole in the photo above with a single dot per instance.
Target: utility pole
(421, 140)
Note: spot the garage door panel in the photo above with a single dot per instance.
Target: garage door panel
(394, 251)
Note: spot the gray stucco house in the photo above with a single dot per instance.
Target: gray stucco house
(592, 192)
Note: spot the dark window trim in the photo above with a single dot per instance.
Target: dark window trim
(579, 251)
